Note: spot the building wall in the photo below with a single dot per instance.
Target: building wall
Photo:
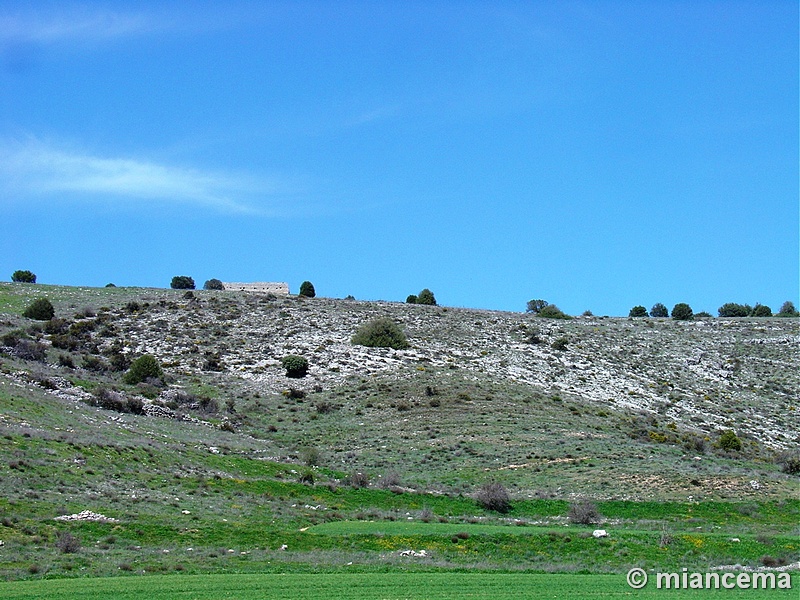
(258, 286)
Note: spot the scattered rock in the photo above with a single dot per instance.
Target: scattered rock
(87, 515)
(413, 553)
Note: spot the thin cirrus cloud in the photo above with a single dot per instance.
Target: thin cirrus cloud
(98, 25)
(34, 170)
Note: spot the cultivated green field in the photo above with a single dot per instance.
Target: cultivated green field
(384, 586)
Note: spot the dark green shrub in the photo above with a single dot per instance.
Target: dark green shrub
(551, 311)
(729, 441)
(789, 462)
(182, 282)
(311, 456)
(56, 326)
(760, 310)
(426, 297)
(584, 512)
(10, 338)
(110, 285)
(307, 289)
(638, 311)
(411, 299)
(213, 284)
(702, 315)
(23, 277)
(682, 312)
(493, 496)
(68, 543)
(143, 368)
(30, 350)
(731, 309)
(788, 310)
(560, 344)
(94, 363)
(536, 306)
(358, 480)
(296, 366)
(40, 309)
(659, 310)
(380, 333)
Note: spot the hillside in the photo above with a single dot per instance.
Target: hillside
(618, 411)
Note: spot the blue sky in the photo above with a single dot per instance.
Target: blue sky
(597, 155)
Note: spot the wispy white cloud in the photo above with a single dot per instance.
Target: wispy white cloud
(34, 169)
(44, 27)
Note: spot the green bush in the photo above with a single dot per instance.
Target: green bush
(40, 309)
(536, 306)
(729, 441)
(23, 277)
(760, 310)
(296, 366)
(182, 282)
(143, 368)
(638, 311)
(213, 284)
(682, 312)
(380, 333)
(731, 309)
(551, 311)
(560, 344)
(788, 310)
(307, 289)
(411, 299)
(789, 462)
(426, 297)
(659, 311)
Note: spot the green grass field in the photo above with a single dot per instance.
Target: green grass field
(388, 586)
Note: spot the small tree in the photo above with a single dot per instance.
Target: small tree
(788, 310)
(551, 311)
(761, 310)
(40, 309)
(729, 441)
(213, 284)
(23, 277)
(411, 299)
(182, 282)
(296, 366)
(493, 496)
(380, 333)
(659, 311)
(638, 311)
(731, 309)
(682, 312)
(307, 289)
(536, 306)
(143, 368)
(426, 297)
(584, 512)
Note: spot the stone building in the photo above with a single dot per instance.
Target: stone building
(258, 286)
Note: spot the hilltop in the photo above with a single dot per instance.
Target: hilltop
(609, 409)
